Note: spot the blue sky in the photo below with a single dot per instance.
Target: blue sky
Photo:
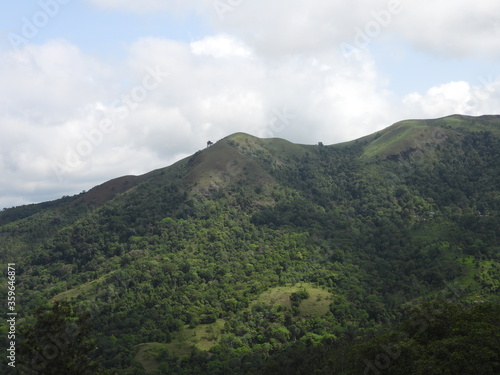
(413, 70)
(101, 31)
(113, 87)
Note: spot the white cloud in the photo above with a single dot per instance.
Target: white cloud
(441, 100)
(284, 27)
(452, 28)
(220, 46)
(455, 97)
(38, 80)
(215, 81)
(269, 69)
(445, 27)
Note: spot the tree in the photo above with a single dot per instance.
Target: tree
(58, 342)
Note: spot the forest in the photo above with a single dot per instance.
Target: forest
(260, 256)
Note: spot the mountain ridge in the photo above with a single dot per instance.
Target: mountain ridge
(229, 161)
(254, 253)
(428, 130)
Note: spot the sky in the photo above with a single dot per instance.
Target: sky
(91, 90)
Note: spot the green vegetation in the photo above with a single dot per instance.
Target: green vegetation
(261, 256)
(406, 136)
(203, 337)
(80, 289)
(147, 355)
(314, 301)
(58, 342)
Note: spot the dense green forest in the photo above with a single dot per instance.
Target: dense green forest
(260, 256)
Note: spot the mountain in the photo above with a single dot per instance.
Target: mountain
(258, 256)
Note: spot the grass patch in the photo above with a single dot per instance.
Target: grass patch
(481, 275)
(318, 303)
(75, 292)
(222, 165)
(405, 136)
(204, 337)
(470, 123)
(396, 139)
(147, 355)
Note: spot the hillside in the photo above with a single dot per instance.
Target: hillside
(258, 256)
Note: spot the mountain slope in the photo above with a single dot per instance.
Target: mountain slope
(365, 228)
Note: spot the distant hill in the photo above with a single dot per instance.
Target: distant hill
(258, 256)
